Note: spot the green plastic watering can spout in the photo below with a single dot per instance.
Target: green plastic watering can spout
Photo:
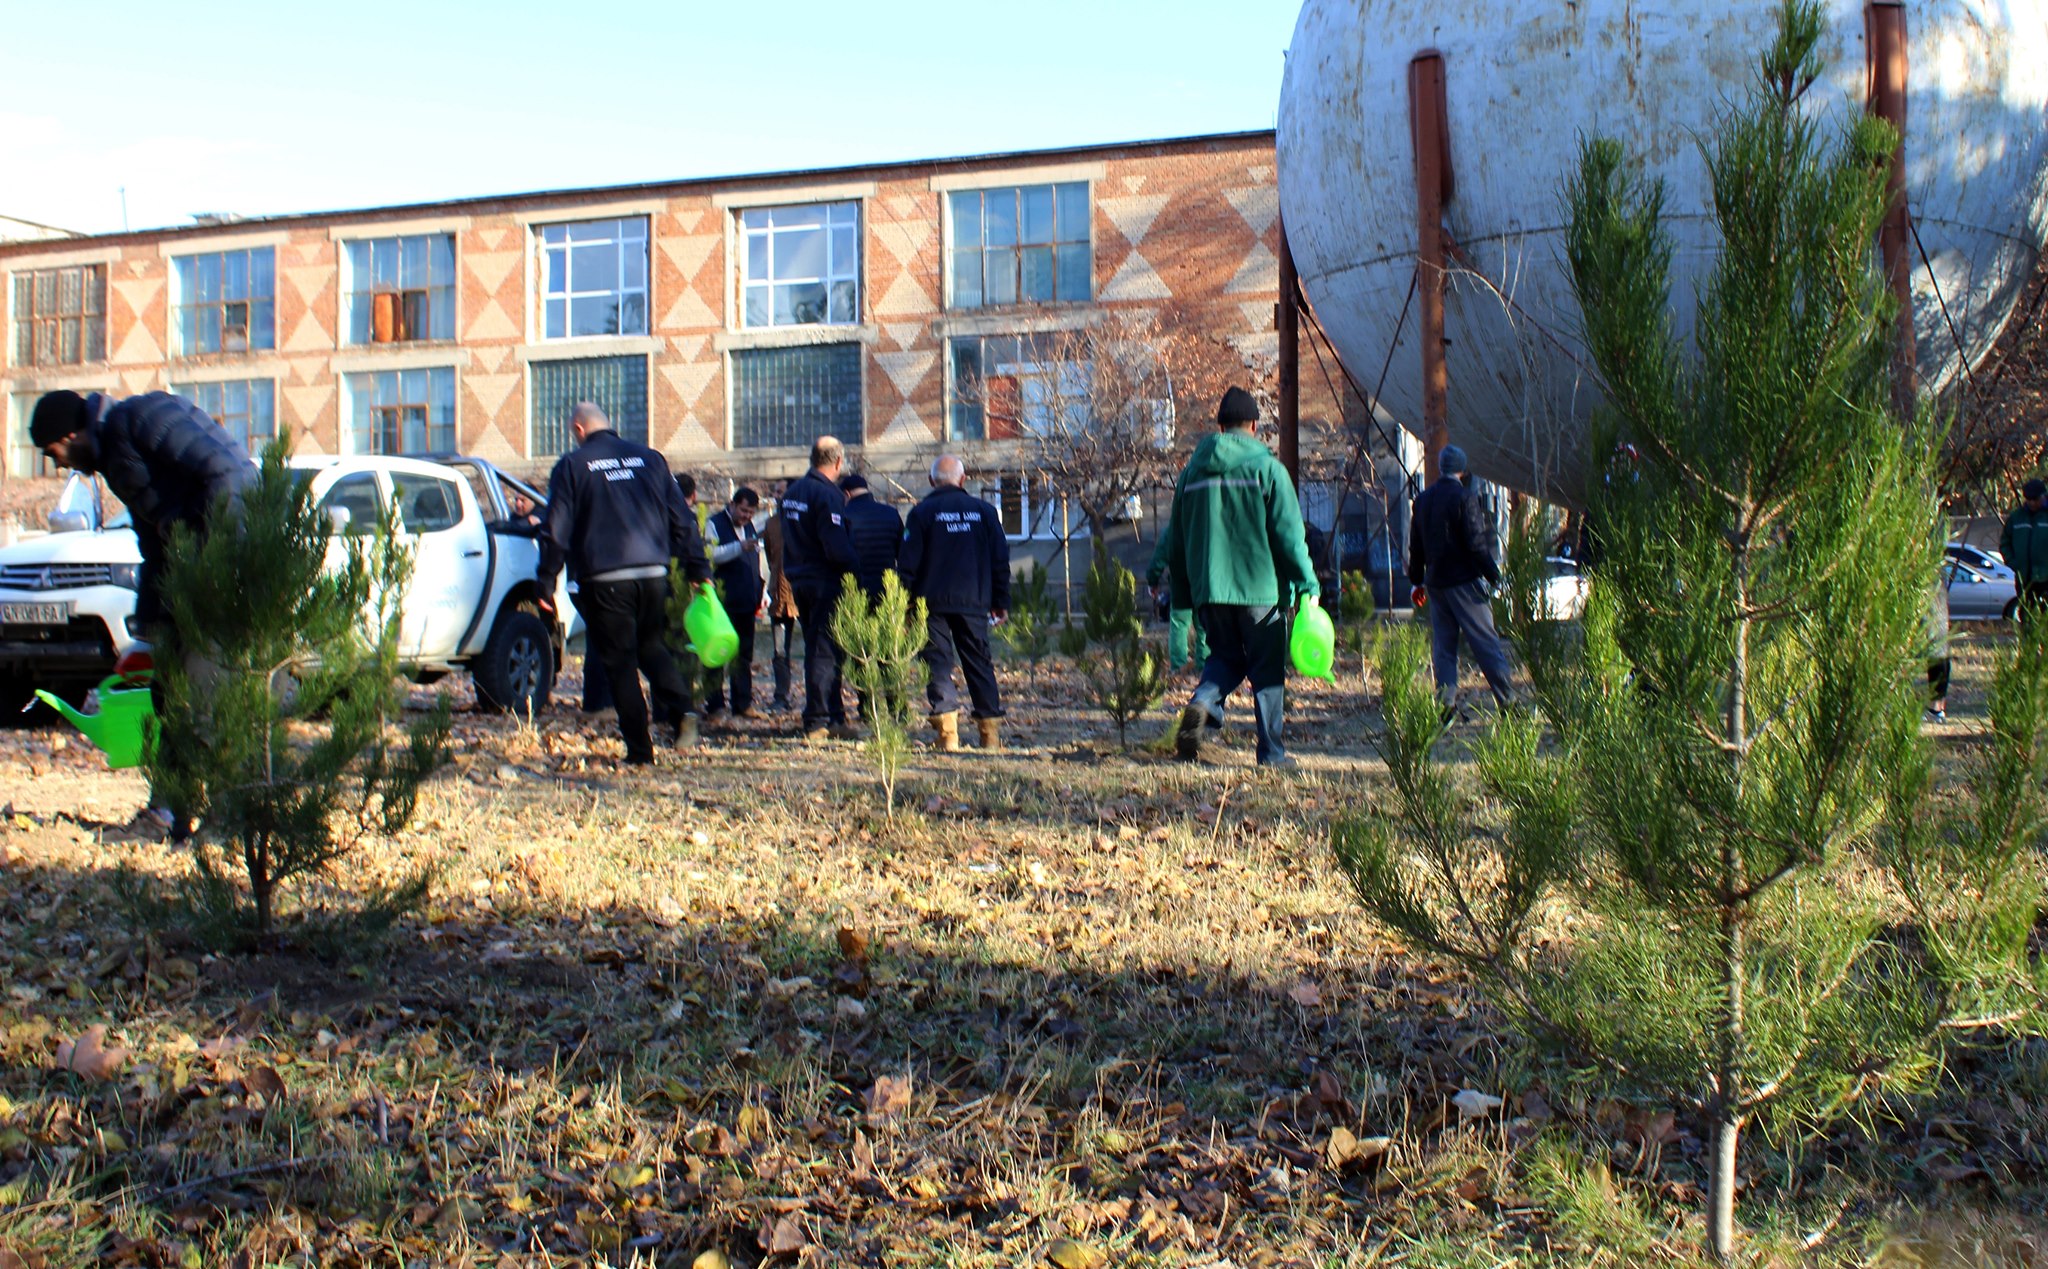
(87, 723)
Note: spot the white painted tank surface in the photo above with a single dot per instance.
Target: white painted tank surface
(1526, 79)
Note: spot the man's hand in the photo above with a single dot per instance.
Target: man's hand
(1419, 596)
(997, 616)
(546, 603)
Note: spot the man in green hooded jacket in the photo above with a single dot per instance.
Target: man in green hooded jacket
(1234, 552)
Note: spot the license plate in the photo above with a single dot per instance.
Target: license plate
(35, 614)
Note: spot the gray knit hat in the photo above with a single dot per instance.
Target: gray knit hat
(1452, 461)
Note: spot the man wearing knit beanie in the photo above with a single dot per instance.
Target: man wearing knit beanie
(1235, 553)
(1450, 560)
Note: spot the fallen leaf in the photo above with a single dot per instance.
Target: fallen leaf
(712, 1260)
(1345, 1150)
(1307, 995)
(1068, 1254)
(888, 1099)
(90, 1055)
(853, 945)
(1535, 1107)
(1473, 1104)
(783, 1238)
(264, 1080)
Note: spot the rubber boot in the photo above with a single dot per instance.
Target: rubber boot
(1187, 740)
(948, 727)
(686, 732)
(991, 730)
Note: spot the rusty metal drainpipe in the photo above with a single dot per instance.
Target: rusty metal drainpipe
(1287, 320)
(1884, 27)
(1430, 132)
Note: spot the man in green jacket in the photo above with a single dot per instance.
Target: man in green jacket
(1234, 552)
(2024, 544)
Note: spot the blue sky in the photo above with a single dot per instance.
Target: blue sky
(269, 108)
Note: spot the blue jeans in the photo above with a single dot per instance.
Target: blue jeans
(1465, 610)
(1247, 643)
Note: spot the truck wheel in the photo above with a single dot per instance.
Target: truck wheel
(516, 669)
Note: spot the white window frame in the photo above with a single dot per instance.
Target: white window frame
(348, 409)
(838, 215)
(1038, 508)
(545, 277)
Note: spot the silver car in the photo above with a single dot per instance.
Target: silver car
(1974, 595)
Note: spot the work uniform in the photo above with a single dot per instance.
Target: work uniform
(876, 531)
(736, 567)
(616, 518)
(2024, 544)
(957, 560)
(1235, 551)
(1450, 551)
(817, 555)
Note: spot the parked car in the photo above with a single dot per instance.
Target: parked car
(67, 600)
(1989, 563)
(1978, 596)
(1564, 589)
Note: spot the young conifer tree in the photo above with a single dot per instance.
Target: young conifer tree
(883, 640)
(281, 704)
(1029, 632)
(1752, 901)
(1126, 672)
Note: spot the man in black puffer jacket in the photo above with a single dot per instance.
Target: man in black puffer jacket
(816, 555)
(876, 529)
(160, 455)
(1450, 557)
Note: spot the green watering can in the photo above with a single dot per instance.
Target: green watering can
(121, 727)
(710, 630)
(1314, 642)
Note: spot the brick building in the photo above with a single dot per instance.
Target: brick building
(725, 321)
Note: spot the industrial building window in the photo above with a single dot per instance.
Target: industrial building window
(1023, 245)
(60, 316)
(226, 301)
(1002, 387)
(1030, 510)
(400, 289)
(402, 411)
(790, 396)
(594, 278)
(802, 264)
(617, 385)
(247, 408)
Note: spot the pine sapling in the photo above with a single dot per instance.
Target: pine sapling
(1030, 632)
(1126, 672)
(1355, 620)
(281, 690)
(883, 639)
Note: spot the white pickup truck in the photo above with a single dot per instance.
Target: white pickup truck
(67, 598)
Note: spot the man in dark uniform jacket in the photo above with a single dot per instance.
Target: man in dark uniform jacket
(957, 560)
(817, 555)
(160, 455)
(736, 565)
(876, 530)
(616, 516)
(1450, 556)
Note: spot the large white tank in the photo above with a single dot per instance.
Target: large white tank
(1526, 80)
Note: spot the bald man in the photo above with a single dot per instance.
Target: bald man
(957, 560)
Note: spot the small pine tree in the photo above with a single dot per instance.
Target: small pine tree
(280, 693)
(1355, 624)
(1029, 632)
(1759, 903)
(1073, 641)
(1126, 672)
(882, 639)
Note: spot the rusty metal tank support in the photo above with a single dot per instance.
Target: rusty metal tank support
(1287, 321)
(1431, 136)
(1884, 23)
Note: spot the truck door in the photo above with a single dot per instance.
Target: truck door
(450, 545)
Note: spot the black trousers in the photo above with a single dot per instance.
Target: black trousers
(738, 672)
(625, 622)
(960, 639)
(781, 639)
(1247, 644)
(824, 698)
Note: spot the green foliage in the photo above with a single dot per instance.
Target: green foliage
(681, 591)
(882, 640)
(1073, 641)
(1126, 672)
(1029, 631)
(1773, 908)
(1356, 619)
(280, 699)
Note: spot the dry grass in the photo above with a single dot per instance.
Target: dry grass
(723, 1006)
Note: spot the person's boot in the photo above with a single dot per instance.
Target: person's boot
(1187, 739)
(686, 732)
(948, 727)
(991, 730)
